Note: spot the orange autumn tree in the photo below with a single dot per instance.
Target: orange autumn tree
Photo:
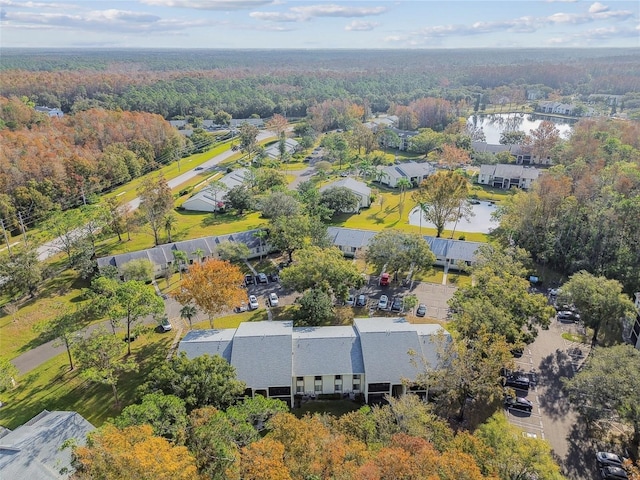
(264, 460)
(212, 286)
(132, 453)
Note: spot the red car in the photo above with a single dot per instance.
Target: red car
(384, 279)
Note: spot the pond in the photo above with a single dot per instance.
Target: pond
(481, 222)
(494, 125)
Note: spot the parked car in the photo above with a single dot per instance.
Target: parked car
(605, 459)
(518, 403)
(613, 473)
(241, 308)
(350, 301)
(274, 277)
(396, 306)
(568, 316)
(249, 280)
(253, 302)
(361, 301)
(198, 168)
(165, 324)
(273, 299)
(422, 310)
(383, 303)
(384, 280)
(517, 380)
(262, 278)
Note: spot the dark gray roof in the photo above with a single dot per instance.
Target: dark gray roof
(211, 342)
(413, 169)
(350, 237)
(32, 451)
(261, 353)
(386, 343)
(326, 350)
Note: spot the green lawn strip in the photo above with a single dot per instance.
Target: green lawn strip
(233, 320)
(52, 386)
(576, 337)
(17, 333)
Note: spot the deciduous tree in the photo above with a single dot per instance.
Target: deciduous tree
(132, 453)
(399, 251)
(324, 269)
(315, 308)
(156, 201)
(21, 271)
(212, 286)
(608, 382)
(234, 252)
(239, 198)
(340, 200)
(101, 359)
(63, 329)
(138, 269)
(8, 375)
(442, 198)
(600, 302)
(166, 414)
(200, 382)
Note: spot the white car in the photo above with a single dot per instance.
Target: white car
(383, 303)
(350, 301)
(253, 302)
(273, 299)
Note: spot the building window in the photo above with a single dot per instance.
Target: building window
(299, 388)
(318, 384)
(356, 383)
(337, 383)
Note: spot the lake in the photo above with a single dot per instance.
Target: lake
(493, 125)
(481, 222)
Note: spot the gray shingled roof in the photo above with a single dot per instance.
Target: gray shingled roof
(350, 237)
(32, 451)
(386, 343)
(211, 342)
(261, 354)
(326, 350)
(413, 169)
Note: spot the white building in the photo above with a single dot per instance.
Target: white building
(206, 201)
(277, 360)
(507, 176)
(412, 171)
(290, 147)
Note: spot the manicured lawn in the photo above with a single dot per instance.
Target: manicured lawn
(233, 320)
(17, 329)
(52, 386)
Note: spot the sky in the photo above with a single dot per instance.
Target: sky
(277, 24)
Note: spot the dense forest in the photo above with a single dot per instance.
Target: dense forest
(243, 83)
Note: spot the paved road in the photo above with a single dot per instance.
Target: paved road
(553, 419)
(49, 249)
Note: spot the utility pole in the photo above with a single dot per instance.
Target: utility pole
(6, 239)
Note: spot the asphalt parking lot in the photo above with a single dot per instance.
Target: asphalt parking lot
(434, 296)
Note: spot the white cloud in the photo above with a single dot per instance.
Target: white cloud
(597, 8)
(308, 12)
(9, 3)
(224, 5)
(360, 26)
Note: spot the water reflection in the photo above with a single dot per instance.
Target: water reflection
(481, 222)
(493, 125)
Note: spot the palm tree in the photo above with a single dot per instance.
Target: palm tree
(170, 221)
(199, 253)
(403, 184)
(188, 312)
(380, 175)
(180, 258)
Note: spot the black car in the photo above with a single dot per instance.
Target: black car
(274, 277)
(396, 306)
(518, 403)
(517, 380)
(249, 280)
(613, 473)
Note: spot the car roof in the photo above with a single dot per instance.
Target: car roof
(610, 455)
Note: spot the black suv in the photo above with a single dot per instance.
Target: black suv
(613, 473)
(518, 403)
(517, 380)
(249, 280)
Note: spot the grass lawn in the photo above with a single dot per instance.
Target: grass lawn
(52, 386)
(233, 320)
(17, 328)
